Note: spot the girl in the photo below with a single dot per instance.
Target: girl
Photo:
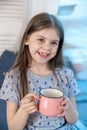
(39, 65)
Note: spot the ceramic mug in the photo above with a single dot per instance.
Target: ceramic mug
(49, 101)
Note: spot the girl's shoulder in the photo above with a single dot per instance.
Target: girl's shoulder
(13, 73)
(64, 71)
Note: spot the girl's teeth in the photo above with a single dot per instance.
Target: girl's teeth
(43, 54)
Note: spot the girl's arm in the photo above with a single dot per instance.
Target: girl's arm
(68, 106)
(17, 117)
(71, 114)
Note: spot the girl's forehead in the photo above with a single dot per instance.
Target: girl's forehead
(48, 32)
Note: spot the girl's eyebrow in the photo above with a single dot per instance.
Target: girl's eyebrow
(46, 38)
(40, 36)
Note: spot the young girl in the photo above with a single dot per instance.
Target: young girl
(39, 65)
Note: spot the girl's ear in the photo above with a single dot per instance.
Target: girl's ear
(26, 41)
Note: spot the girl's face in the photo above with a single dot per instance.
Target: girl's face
(43, 45)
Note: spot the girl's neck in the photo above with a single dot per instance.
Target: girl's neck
(40, 70)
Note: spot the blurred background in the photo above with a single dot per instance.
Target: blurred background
(14, 16)
(73, 15)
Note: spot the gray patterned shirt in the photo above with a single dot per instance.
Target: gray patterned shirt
(66, 83)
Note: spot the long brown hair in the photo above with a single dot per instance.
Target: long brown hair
(38, 22)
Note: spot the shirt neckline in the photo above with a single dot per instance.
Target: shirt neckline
(39, 76)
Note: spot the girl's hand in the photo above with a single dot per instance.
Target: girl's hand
(28, 104)
(63, 107)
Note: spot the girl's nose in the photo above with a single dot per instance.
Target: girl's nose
(47, 46)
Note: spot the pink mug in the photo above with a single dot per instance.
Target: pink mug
(49, 101)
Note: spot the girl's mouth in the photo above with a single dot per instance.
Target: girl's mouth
(43, 54)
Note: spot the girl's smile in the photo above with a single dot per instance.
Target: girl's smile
(43, 55)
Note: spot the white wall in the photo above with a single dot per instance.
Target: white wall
(38, 6)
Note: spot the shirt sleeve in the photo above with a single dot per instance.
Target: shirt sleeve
(9, 89)
(72, 84)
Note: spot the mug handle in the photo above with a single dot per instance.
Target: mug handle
(61, 112)
(37, 98)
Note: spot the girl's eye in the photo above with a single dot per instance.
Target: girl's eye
(54, 43)
(41, 40)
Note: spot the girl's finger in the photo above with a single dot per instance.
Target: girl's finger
(33, 95)
(62, 114)
(27, 105)
(26, 100)
(30, 109)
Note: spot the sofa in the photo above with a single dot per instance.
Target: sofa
(3, 120)
(7, 59)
